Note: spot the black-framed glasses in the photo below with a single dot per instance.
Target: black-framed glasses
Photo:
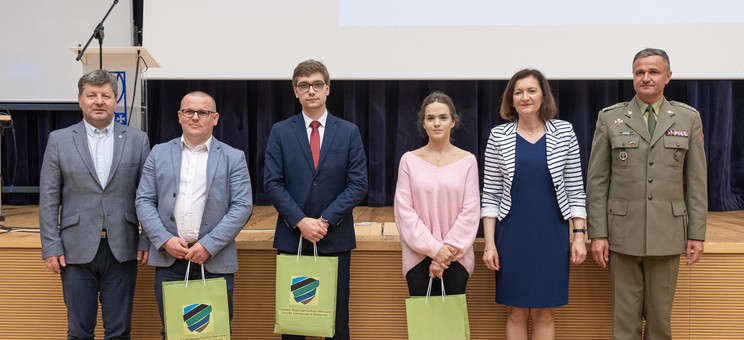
(317, 86)
(190, 113)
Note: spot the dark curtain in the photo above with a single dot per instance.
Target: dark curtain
(385, 112)
(23, 145)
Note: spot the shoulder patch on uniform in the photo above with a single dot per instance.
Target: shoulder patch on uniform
(680, 104)
(623, 104)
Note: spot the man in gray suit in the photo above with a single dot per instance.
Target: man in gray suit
(90, 171)
(193, 200)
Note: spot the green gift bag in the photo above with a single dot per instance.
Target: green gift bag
(306, 294)
(435, 318)
(197, 309)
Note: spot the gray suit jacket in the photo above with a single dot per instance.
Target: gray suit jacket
(69, 180)
(228, 206)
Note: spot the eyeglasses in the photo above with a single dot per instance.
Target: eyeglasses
(190, 113)
(317, 86)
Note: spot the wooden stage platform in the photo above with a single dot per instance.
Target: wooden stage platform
(709, 303)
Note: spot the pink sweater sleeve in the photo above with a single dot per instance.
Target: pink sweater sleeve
(412, 229)
(463, 231)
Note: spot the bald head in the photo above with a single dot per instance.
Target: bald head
(200, 94)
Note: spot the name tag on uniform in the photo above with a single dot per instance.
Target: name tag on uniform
(626, 133)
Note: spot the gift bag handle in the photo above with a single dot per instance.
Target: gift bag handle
(188, 270)
(315, 250)
(428, 290)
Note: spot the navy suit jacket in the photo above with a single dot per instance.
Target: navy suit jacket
(297, 190)
(226, 210)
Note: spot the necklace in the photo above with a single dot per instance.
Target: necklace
(428, 149)
(529, 132)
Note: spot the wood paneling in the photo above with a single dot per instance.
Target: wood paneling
(709, 303)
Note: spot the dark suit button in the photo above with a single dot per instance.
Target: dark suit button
(173, 218)
(650, 180)
(650, 162)
(174, 194)
(650, 197)
(100, 217)
(104, 194)
(315, 183)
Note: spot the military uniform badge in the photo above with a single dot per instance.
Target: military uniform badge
(681, 133)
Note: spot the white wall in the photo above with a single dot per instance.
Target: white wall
(36, 64)
(440, 39)
(362, 39)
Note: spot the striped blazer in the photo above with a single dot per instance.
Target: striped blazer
(564, 164)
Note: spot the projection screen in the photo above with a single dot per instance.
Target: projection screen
(437, 39)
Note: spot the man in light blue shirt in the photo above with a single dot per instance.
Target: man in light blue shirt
(87, 220)
(101, 145)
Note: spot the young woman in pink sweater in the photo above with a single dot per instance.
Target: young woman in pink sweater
(437, 203)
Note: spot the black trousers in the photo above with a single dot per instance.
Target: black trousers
(81, 285)
(455, 279)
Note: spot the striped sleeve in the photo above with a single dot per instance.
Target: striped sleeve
(499, 162)
(565, 164)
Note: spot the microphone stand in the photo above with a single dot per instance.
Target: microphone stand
(98, 34)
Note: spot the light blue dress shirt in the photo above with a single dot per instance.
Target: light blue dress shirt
(101, 146)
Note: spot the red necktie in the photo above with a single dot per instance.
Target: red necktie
(315, 142)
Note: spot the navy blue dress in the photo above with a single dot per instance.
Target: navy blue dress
(533, 239)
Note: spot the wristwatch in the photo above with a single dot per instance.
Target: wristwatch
(582, 230)
(324, 220)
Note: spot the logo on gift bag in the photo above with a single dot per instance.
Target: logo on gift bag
(196, 317)
(304, 290)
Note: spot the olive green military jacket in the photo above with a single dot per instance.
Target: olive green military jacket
(647, 194)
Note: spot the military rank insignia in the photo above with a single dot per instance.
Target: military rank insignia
(618, 122)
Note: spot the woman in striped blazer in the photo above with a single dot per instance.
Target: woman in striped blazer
(532, 185)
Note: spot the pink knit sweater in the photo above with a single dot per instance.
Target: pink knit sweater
(437, 205)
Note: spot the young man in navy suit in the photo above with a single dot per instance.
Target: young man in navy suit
(315, 174)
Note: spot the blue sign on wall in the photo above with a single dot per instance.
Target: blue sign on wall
(120, 113)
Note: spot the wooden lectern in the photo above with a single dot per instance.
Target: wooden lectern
(125, 63)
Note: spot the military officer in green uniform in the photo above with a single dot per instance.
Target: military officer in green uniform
(646, 198)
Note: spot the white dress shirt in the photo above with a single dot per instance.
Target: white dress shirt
(101, 146)
(192, 190)
(321, 128)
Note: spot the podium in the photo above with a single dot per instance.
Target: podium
(126, 63)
